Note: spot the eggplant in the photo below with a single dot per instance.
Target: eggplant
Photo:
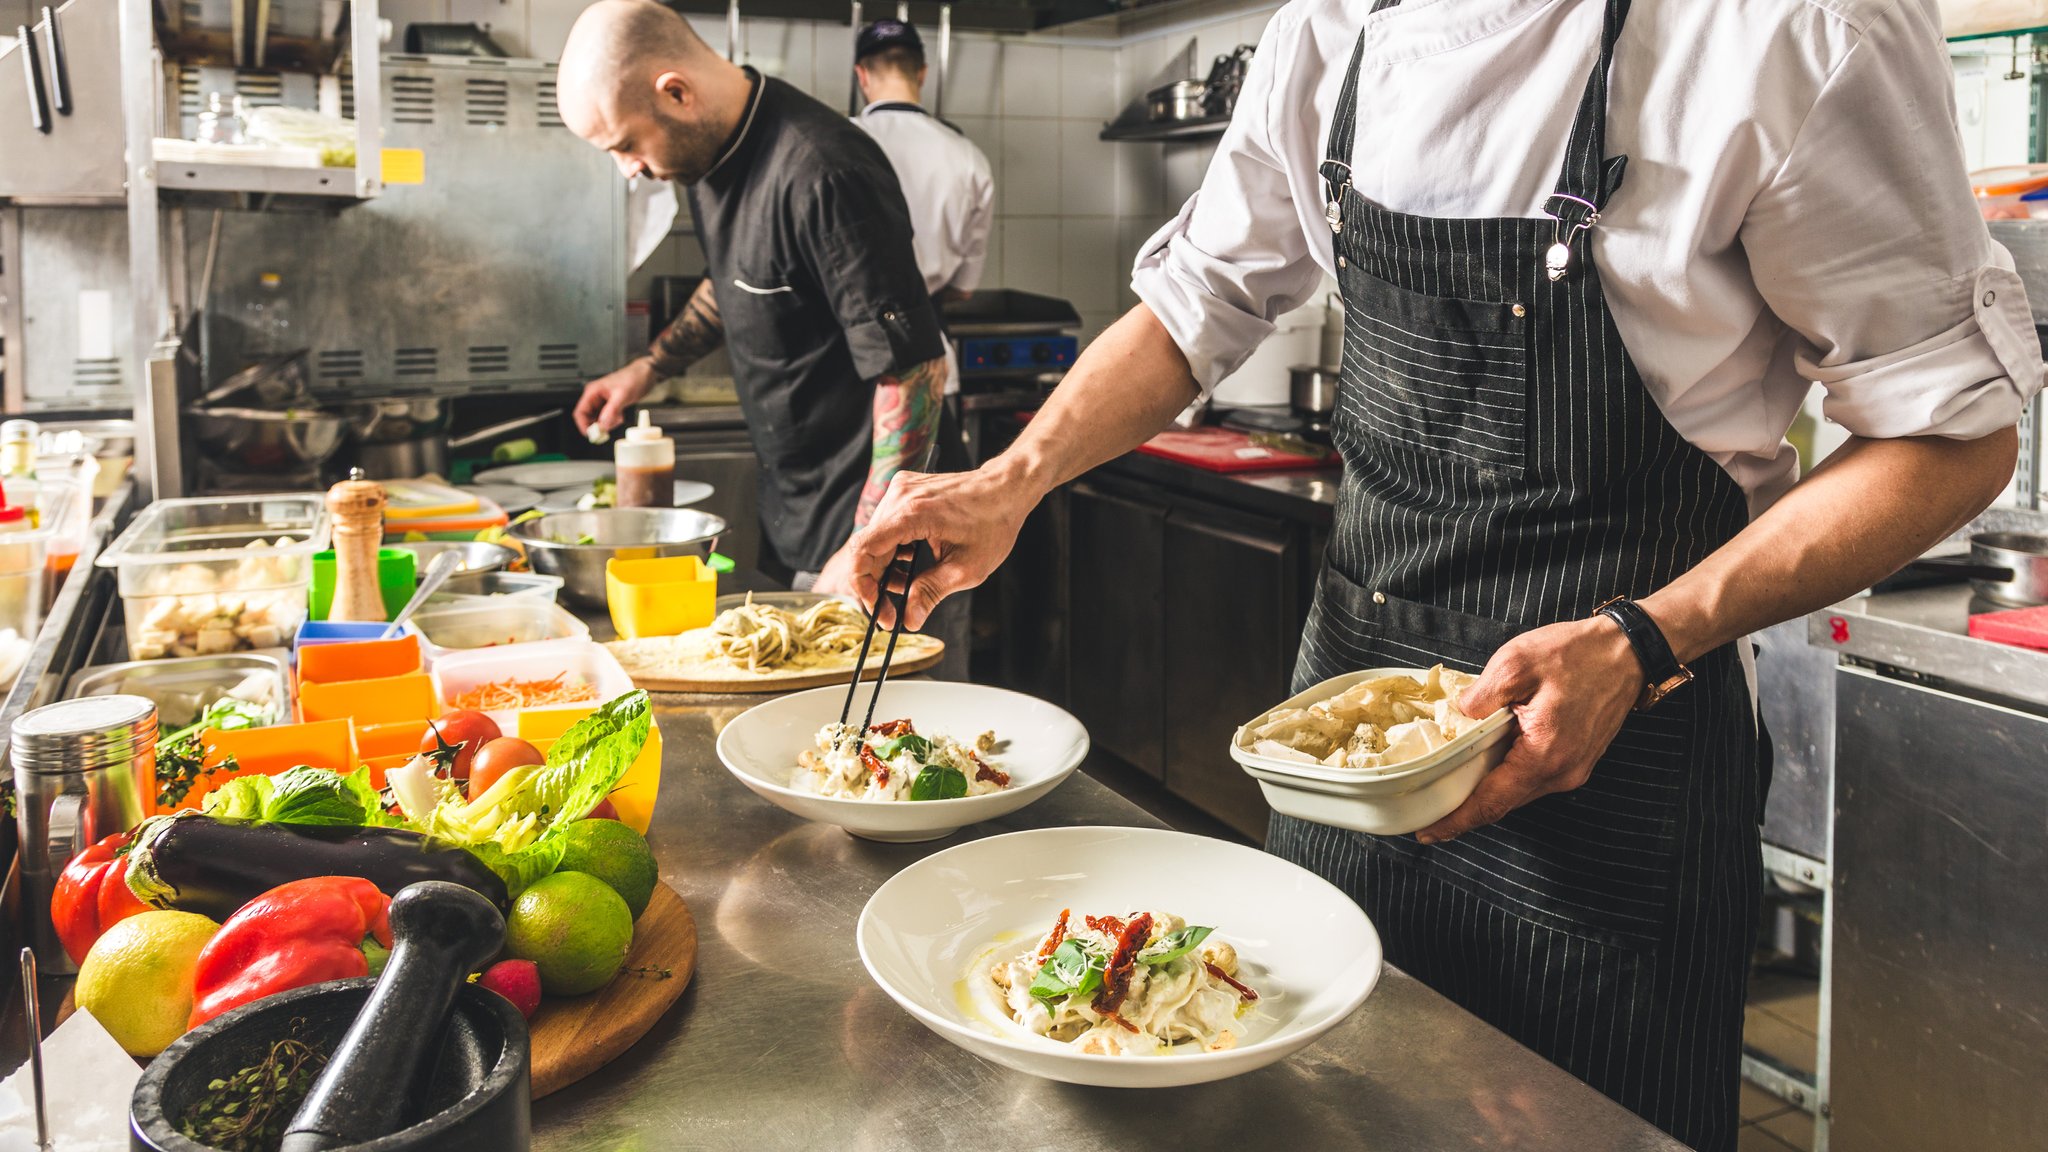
(195, 863)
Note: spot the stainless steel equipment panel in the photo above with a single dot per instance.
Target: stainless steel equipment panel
(504, 271)
(76, 336)
(1940, 921)
(81, 157)
(1796, 697)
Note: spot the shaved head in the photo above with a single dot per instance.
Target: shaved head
(637, 81)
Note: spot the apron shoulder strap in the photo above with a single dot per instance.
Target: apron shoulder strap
(1588, 178)
(1336, 167)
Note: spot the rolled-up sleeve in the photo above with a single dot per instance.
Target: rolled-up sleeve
(1235, 256)
(1868, 243)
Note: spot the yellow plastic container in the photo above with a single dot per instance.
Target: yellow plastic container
(660, 597)
(636, 791)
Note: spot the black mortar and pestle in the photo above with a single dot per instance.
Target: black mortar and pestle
(419, 1058)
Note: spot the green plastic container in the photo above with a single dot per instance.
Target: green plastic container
(395, 580)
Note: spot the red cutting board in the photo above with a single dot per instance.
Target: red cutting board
(1222, 450)
(2025, 627)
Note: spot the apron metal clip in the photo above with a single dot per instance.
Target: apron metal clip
(1557, 261)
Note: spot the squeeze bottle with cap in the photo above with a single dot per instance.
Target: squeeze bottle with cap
(647, 467)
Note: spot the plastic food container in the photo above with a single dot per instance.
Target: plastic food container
(395, 580)
(468, 587)
(660, 597)
(217, 574)
(576, 660)
(384, 700)
(489, 624)
(182, 689)
(2018, 192)
(33, 561)
(329, 744)
(359, 660)
(1393, 801)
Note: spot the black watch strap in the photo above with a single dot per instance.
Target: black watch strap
(1661, 669)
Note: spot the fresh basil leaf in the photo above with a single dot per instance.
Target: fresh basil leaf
(910, 742)
(1071, 970)
(1174, 946)
(938, 782)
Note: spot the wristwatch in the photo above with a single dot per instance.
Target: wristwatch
(1665, 674)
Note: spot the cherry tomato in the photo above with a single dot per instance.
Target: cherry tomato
(497, 758)
(469, 731)
(603, 811)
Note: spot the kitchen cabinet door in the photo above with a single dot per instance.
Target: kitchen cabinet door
(1234, 613)
(1117, 642)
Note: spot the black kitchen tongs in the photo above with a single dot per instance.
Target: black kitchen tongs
(904, 562)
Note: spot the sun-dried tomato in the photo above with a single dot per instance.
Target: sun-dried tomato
(982, 771)
(893, 728)
(1059, 934)
(1116, 978)
(873, 763)
(1107, 925)
(1218, 973)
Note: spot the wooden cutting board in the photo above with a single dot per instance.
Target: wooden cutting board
(712, 678)
(574, 1037)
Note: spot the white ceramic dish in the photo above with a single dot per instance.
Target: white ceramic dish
(1307, 948)
(1044, 745)
(1404, 798)
(581, 659)
(548, 474)
(688, 492)
(513, 498)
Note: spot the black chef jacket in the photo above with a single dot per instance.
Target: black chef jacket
(807, 241)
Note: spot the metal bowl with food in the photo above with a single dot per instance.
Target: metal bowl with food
(576, 545)
(477, 555)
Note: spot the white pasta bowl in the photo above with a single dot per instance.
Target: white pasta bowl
(927, 934)
(1395, 800)
(1044, 744)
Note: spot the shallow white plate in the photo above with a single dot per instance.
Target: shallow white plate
(549, 474)
(513, 498)
(927, 937)
(688, 492)
(1044, 746)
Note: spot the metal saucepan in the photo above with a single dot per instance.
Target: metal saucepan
(1311, 391)
(2024, 555)
(1180, 100)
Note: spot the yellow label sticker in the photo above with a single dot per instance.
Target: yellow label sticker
(405, 166)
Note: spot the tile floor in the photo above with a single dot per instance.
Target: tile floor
(1781, 1022)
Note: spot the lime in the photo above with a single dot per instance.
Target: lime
(137, 980)
(574, 928)
(615, 854)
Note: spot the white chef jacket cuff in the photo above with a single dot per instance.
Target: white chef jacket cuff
(1969, 381)
(1186, 288)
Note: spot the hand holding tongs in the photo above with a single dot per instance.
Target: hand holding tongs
(905, 563)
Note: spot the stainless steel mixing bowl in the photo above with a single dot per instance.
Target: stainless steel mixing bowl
(552, 542)
(477, 555)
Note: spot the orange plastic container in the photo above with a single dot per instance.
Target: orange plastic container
(268, 751)
(389, 699)
(636, 791)
(359, 660)
(383, 747)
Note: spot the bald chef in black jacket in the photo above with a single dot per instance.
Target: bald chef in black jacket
(811, 283)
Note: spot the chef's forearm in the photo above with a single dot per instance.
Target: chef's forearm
(1860, 516)
(1130, 383)
(906, 426)
(691, 336)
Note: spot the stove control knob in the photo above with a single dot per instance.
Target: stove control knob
(1000, 354)
(1041, 353)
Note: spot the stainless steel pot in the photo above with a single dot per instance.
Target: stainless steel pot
(1311, 391)
(1180, 100)
(257, 440)
(2025, 555)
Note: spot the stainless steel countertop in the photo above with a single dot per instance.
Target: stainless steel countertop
(783, 1041)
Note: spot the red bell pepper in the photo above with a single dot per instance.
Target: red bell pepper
(92, 896)
(301, 933)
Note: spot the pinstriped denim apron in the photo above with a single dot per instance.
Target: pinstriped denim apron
(1505, 468)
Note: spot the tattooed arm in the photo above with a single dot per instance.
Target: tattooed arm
(906, 429)
(689, 338)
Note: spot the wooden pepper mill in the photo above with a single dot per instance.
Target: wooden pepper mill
(357, 506)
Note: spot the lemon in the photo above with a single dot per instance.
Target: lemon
(616, 855)
(137, 979)
(574, 928)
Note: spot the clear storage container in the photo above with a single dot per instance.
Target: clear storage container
(217, 574)
(578, 662)
(468, 588)
(33, 561)
(491, 623)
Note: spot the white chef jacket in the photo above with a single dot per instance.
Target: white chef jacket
(1795, 207)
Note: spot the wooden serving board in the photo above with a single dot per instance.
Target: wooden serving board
(928, 652)
(574, 1037)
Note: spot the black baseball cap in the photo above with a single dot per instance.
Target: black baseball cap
(886, 34)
